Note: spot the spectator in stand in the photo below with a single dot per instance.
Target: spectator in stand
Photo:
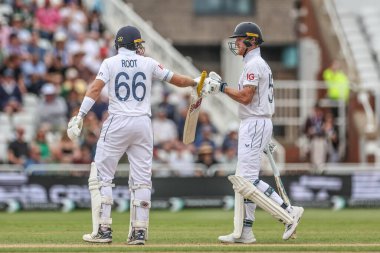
(34, 71)
(314, 130)
(66, 151)
(59, 51)
(338, 84)
(86, 156)
(78, 63)
(73, 101)
(76, 16)
(180, 121)
(206, 136)
(206, 156)
(15, 47)
(230, 145)
(164, 129)
(47, 20)
(18, 150)
(52, 108)
(167, 106)
(203, 120)
(100, 107)
(332, 138)
(73, 82)
(91, 124)
(24, 10)
(182, 160)
(34, 156)
(90, 140)
(95, 24)
(5, 32)
(93, 62)
(10, 93)
(13, 62)
(34, 46)
(40, 141)
(231, 139)
(19, 28)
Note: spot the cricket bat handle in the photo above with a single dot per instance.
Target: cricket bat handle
(201, 81)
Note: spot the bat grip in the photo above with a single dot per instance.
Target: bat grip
(201, 81)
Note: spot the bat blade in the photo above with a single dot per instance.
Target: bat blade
(193, 113)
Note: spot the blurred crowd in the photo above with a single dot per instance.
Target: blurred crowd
(48, 55)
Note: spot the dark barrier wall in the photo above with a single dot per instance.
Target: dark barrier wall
(57, 192)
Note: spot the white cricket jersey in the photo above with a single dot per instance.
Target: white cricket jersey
(258, 73)
(128, 78)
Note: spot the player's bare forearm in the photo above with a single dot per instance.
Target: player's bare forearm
(243, 96)
(95, 89)
(182, 81)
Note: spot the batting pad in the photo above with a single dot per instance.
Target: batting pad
(238, 215)
(249, 191)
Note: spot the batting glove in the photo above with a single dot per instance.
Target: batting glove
(213, 85)
(74, 127)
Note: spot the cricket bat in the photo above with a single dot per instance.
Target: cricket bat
(193, 112)
(280, 187)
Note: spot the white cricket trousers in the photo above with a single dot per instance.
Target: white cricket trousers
(254, 134)
(124, 134)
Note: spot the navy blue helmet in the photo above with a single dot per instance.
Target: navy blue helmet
(130, 38)
(248, 29)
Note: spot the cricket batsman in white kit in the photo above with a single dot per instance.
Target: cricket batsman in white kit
(256, 107)
(128, 77)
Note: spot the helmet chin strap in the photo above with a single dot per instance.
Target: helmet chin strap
(245, 52)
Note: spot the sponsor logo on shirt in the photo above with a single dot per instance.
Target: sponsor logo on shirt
(250, 76)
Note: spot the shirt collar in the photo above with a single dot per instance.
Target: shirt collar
(253, 53)
(125, 51)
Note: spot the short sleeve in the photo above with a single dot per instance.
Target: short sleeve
(251, 75)
(103, 73)
(161, 73)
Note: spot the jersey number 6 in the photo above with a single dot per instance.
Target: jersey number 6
(271, 89)
(135, 85)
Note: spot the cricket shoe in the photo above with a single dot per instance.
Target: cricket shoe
(100, 237)
(244, 238)
(296, 213)
(137, 237)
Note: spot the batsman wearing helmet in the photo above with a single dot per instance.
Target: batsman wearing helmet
(128, 77)
(256, 107)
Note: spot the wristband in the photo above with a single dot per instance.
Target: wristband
(86, 106)
(223, 86)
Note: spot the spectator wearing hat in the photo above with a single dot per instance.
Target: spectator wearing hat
(19, 28)
(206, 155)
(10, 93)
(73, 82)
(59, 51)
(77, 61)
(52, 108)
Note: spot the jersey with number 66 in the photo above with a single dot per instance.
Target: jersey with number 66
(258, 73)
(128, 77)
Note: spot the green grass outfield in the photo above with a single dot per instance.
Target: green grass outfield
(350, 230)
